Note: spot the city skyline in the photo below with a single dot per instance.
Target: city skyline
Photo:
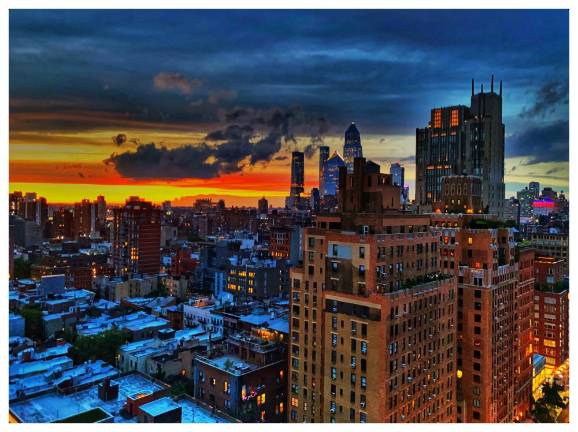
(84, 125)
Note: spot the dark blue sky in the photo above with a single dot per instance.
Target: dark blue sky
(385, 68)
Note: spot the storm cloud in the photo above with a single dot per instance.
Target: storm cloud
(252, 136)
(540, 143)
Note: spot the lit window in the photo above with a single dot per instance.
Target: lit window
(470, 240)
(454, 118)
(438, 118)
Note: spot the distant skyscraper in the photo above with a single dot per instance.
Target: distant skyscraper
(352, 147)
(397, 173)
(314, 199)
(84, 217)
(137, 238)
(101, 208)
(331, 174)
(323, 156)
(535, 188)
(297, 173)
(462, 140)
(263, 206)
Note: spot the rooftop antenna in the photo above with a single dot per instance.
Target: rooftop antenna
(500, 88)
(472, 86)
(492, 84)
(482, 88)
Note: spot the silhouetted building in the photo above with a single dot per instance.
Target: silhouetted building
(323, 156)
(352, 147)
(263, 206)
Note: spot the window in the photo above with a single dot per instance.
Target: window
(353, 379)
(454, 120)
(364, 347)
(362, 417)
(437, 118)
(311, 242)
(333, 373)
(295, 402)
(226, 387)
(363, 382)
(361, 252)
(353, 362)
(333, 339)
(261, 399)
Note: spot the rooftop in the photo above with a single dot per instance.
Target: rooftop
(51, 407)
(159, 406)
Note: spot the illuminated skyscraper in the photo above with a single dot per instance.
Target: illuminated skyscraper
(462, 140)
(352, 147)
(331, 174)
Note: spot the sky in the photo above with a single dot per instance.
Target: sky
(178, 104)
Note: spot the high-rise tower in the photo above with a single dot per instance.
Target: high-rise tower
(461, 140)
(323, 156)
(352, 146)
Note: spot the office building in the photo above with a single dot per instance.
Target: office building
(461, 140)
(136, 238)
(263, 206)
(331, 175)
(352, 146)
(323, 156)
(84, 218)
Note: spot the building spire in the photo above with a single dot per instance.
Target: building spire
(492, 84)
(472, 86)
(500, 88)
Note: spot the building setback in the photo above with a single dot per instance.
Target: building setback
(461, 140)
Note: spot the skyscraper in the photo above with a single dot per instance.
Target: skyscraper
(297, 173)
(331, 174)
(535, 188)
(323, 156)
(462, 140)
(352, 146)
(263, 206)
(137, 238)
(84, 218)
(397, 173)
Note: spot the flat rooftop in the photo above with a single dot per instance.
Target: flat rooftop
(52, 406)
(159, 406)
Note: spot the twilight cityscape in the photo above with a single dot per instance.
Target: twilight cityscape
(289, 216)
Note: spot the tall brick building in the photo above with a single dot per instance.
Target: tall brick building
(495, 286)
(372, 322)
(137, 238)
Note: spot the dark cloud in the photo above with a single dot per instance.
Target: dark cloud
(253, 136)
(547, 99)
(151, 162)
(119, 139)
(540, 143)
